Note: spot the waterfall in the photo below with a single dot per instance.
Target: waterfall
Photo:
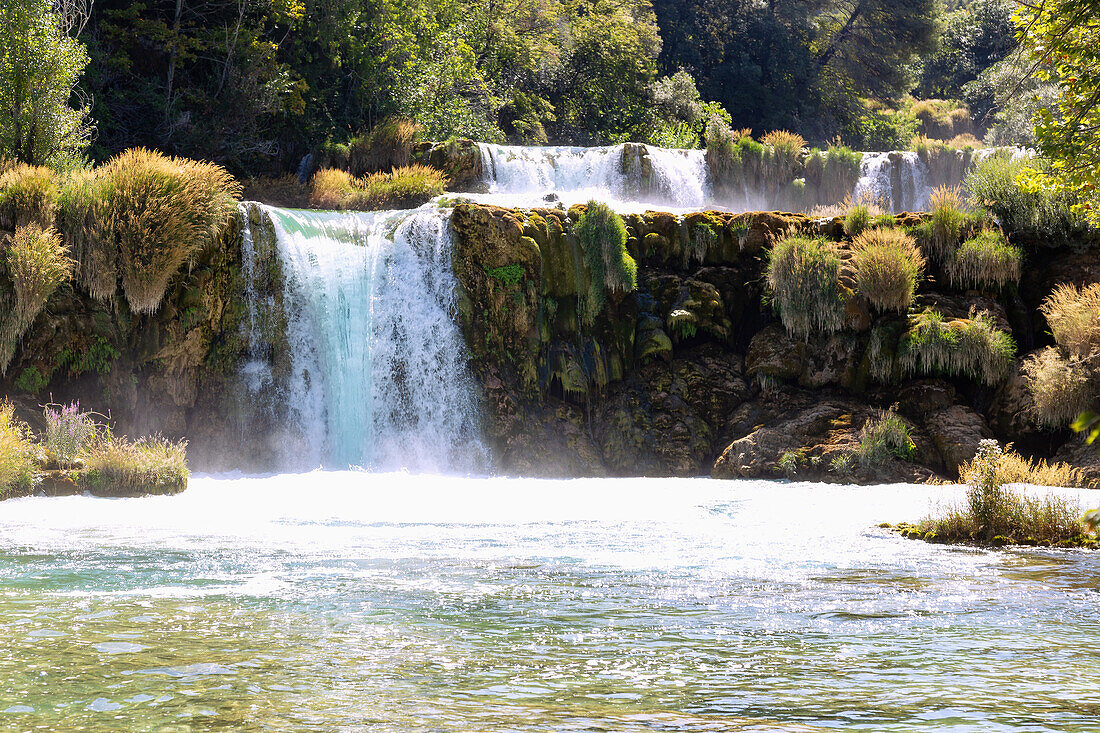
(519, 175)
(377, 370)
(897, 181)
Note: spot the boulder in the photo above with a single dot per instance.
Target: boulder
(956, 431)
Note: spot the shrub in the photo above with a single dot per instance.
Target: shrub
(946, 224)
(330, 187)
(1014, 468)
(119, 467)
(986, 260)
(82, 213)
(857, 219)
(888, 265)
(972, 347)
(37, 264)
(994, 512)
(1061, 388)
(163, 212)
(723, 154)
(406, 187)
(28, 194)
(783, 151)
(804, 279)
(994, 185)
(1074, 317)
(18, 456)
(602, 235)
(941, 119)
(388, 146)
(965, 141)
(884, 436)
(68, 432)
(884, 221)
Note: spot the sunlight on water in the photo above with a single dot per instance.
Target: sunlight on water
(389, 602)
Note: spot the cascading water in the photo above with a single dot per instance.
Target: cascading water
(898, 181)
(377, 372)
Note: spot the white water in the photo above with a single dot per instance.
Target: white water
(519, 175)
(876, 181)
(378, 374)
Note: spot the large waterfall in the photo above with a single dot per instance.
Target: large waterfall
(377, 374)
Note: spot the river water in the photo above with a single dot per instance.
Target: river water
(390, 602)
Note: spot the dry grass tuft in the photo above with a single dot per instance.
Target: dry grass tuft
(986, 260)
(1061, 388)
(38, 264)
(804, 279)
(83, 217)
(386, 147)
(120, 467)
(406, 187)
(888, 265)
(1074, 317)
(28, 194)
(947, 222)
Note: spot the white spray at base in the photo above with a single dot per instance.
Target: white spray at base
(378, 374)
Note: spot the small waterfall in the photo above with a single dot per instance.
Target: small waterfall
(681, 175)
(377, 371)
(897, 181)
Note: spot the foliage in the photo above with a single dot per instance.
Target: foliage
(386, 147)
(162, 212)
(947, 222)
(1005, 98)
(39, 68)
(888, 265)
(1040, 211)
(38, 264)
(405, 187)
(28, 193)
(120, 467)
(1061, 387)
(18, 456)
(508, 275)
(1074, 317)
(976, 36)
(857, 219)
(972, 347)
(83, 216)
(602, 235)
(885, 436)
(803, 277)
(940, 119)
(31, 380)
(986, 260)
(68, 433)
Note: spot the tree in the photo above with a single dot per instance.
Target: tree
(39, 69)
(974, 38)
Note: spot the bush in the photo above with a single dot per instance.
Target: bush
(857, 219)
(994, 185)
(119, 467)
(993, 512)
(82, 216)
(28, 194)
(941, 119)
(386, 147)
(68, 433)
(804, 279)
(1074, 318)
(406, 187)
(163, 211)
(37, 264)
(885, 436)
(1061, 388)
(986, 260)
(947, 222)
(970, 347)
(18, 456)
(888, 265)
(783, 151)
(602, 235)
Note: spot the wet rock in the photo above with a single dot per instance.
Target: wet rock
(956, 431)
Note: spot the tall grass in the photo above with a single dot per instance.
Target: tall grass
(986, 260)
(18, 456)
(83, 217)
(857, 219)
(162, 212)
(884, 436)
(888, 265)
(28, 194)
(120, 467)
(1061, 388)
(947, 222)
(1074, 317)
(406, 187)
(602, 235)
(994, 184)
(783, 151)
(386, 147)
(972, 347)
(38, 264)
(804, 279)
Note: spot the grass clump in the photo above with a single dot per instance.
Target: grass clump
(783, 151)
(406, 187)
(994, 513)
(162, 212)
(1074, 317)
(120, 467)
(888, 265)
(947, 222)
(28, 194)
(602, 235)
(82, 217)
(972, 347)
(38, 264)
(803, 276)
(857, 219)
(986, 260)
(994, 185)
(18, 455)
(1060, 387)
(386, 147)
(885, 436)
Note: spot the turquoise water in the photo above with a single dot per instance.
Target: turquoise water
(389, 602)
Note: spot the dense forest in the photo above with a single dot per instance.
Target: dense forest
(257, 84)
